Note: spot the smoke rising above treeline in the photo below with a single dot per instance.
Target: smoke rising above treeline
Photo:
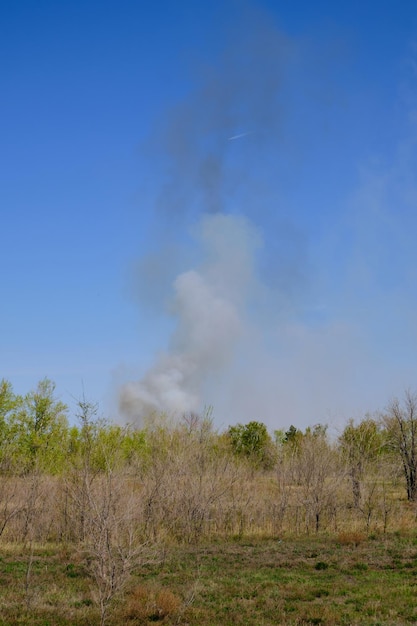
(210, 145)
(262, 283)
(207, 303)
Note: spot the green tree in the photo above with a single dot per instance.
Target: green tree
(10, 404)
(253, 442)
(293, 438)
(10, 502)
(39, 429)
(97, 444)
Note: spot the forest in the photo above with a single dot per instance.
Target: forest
(122, 498)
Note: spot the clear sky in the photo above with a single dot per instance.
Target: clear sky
(210, 204)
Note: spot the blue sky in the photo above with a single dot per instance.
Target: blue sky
(272, 276)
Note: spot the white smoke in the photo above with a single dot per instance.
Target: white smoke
(329, 328)
(208, 304)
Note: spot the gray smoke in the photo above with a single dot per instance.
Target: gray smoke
(221, 161)
(206, 183)
(208, 302)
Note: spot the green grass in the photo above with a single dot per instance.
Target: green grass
(254, 582)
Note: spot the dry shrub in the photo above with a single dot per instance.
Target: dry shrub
(147, 602)
(353, 538)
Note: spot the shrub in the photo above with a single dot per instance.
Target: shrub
(151, 603)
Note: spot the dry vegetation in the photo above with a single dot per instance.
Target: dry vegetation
(180, 524)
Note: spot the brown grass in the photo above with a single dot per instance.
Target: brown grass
(151, 603)
(351, 538)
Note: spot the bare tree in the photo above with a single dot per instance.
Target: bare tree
(317, 475)
(187, 478)
(82, 472)
(401, 424)
(113, 546)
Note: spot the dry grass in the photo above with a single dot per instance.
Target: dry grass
(351, 538)
(150, 603)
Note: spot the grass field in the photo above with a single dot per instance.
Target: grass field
(350, 579)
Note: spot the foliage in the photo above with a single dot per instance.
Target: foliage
(253, 442)
(10, 405)
(38, 428)
(293, 437)
(190, 481)
(9, 402)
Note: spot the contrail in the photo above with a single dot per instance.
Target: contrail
(240, 135)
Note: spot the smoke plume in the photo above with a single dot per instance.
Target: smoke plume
(208, 304)
(285, 301)
(205, 186)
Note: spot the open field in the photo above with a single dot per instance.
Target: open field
(346, 579)
(180, 524)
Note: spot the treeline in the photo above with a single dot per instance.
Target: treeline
(120, 495)
(184, 480)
